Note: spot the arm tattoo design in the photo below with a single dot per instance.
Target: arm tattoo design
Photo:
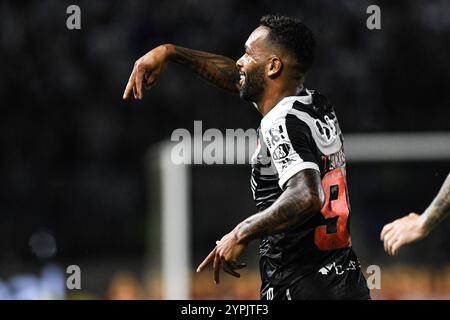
(439, 208)
(302, 199)
(218, 70)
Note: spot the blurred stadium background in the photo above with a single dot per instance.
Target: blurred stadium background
(76, 178)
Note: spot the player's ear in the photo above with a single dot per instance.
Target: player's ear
(274, 67)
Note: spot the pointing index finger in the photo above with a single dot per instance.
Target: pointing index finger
(138, 82)
(207, 260)
(129, 86)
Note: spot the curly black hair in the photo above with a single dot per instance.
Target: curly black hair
(293, 35)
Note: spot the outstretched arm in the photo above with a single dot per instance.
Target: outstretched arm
(302, 199)
(216, 69)
(219, 70)
(414, 227)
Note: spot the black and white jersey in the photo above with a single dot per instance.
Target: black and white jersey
(314, 260)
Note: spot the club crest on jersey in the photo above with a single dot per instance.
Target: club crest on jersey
(281, 151)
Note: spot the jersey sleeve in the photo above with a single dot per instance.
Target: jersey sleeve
(289, 142)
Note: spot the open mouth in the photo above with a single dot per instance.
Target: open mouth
(241, 78)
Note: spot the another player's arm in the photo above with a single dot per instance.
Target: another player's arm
(216, 69)
(414, 227)
(302, 198)
(439, 208)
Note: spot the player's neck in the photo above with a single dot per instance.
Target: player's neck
(273, 95)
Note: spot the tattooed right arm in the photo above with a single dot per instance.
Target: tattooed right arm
(216, 69)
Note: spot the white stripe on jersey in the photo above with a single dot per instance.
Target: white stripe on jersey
(288, 294)
(326, 145)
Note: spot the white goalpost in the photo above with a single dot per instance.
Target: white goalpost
(175, 226)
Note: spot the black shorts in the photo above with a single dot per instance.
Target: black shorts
(349, 286)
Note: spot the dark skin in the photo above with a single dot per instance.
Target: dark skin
(303, 196)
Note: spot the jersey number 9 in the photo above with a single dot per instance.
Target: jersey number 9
(334, 233)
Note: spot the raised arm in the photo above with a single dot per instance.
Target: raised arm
(302, 199)
(216, 69)
(414, 227)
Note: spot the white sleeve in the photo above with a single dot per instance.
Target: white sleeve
(289, 148)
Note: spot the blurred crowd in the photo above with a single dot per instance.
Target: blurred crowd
(398, 282)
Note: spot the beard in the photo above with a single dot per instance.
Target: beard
(254, 85)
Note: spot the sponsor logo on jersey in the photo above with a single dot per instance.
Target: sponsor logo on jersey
(338, 268)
